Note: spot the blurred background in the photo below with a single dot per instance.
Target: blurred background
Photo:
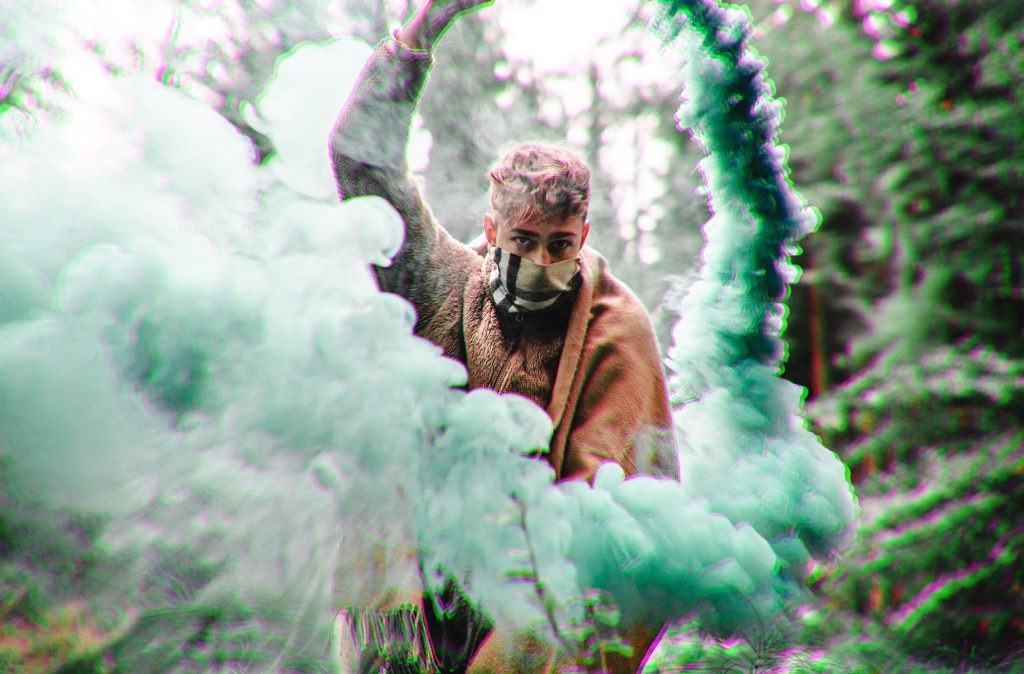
(905, 128)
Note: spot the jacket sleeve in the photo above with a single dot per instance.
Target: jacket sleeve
(368, 151)
(623, 413)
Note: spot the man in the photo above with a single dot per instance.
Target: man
(530, 311)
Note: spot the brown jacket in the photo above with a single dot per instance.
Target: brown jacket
(594, 367)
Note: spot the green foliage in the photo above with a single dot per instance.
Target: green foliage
(936, 447)
(599, 632)
(907, 321)
(819, 641)
(954, 197)
(769, 649)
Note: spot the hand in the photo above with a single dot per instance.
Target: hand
(432, 19)
(458, 5)
(451, 8)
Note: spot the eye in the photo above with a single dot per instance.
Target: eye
(522, 241)
(560, 245)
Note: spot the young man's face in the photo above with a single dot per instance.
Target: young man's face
(540, 242)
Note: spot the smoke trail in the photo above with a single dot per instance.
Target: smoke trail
(743, 444)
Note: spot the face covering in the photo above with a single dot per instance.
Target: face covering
(520, 286)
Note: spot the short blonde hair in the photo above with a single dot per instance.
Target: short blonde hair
(538, 181)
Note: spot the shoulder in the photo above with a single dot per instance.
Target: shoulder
(456, 259)
(614, 304)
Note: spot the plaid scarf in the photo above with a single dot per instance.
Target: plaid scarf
(520, 286)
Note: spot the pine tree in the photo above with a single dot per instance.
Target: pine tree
(930, 418)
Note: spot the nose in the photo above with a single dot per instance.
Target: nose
(538, 257)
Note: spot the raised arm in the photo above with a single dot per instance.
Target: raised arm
(369, 142)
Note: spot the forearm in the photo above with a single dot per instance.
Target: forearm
(368, 151)
(372, 131)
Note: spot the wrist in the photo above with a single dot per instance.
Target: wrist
(408, 40)
(426, 27)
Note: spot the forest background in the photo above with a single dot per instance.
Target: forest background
(904, 129)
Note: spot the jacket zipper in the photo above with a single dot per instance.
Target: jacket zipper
(506, 374)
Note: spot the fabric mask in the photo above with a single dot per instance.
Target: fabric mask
(520, 286)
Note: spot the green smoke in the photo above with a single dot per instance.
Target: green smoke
(193, 354)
